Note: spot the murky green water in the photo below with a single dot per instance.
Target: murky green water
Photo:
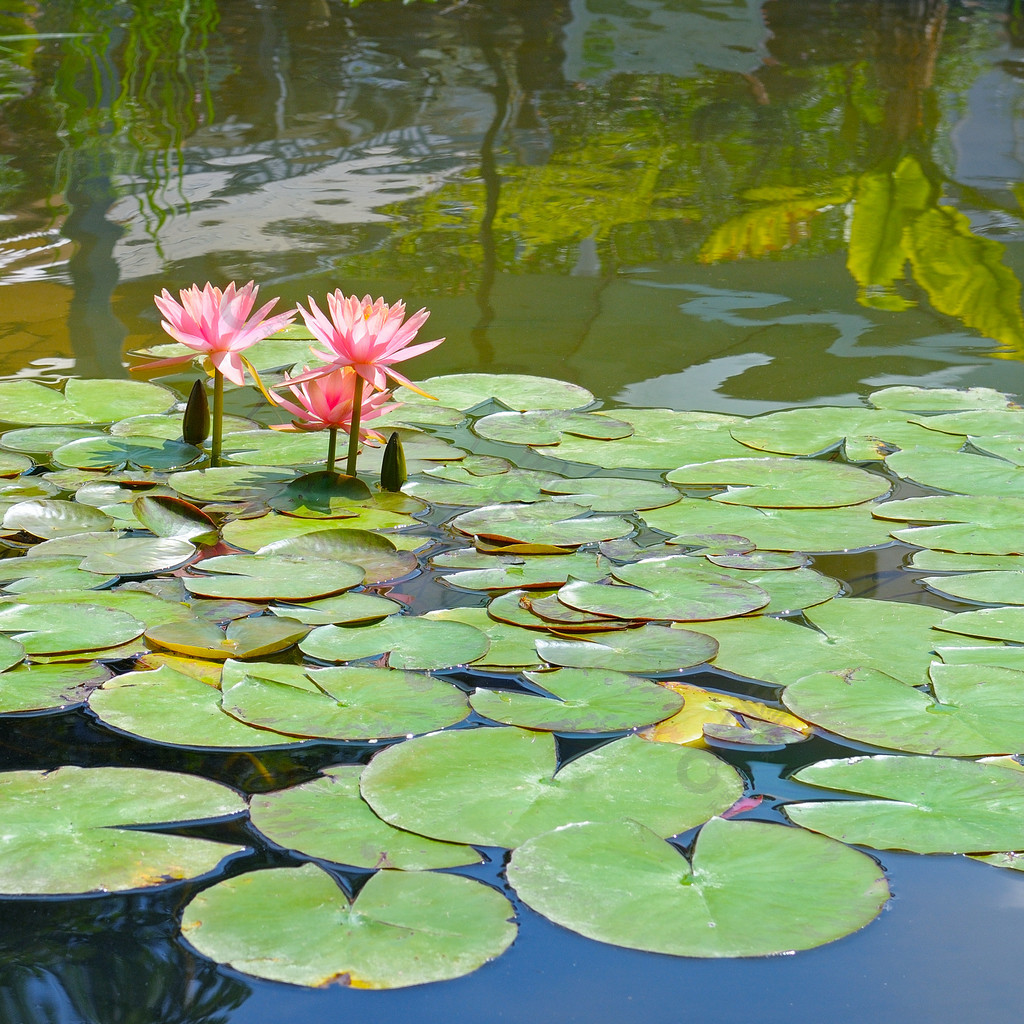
(730, 205)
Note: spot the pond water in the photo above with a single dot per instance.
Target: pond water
(734, 206)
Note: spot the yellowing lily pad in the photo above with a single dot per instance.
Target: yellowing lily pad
(254, 637)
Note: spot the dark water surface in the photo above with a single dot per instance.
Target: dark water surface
(730, 205)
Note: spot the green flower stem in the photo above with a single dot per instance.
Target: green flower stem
(353, 430)
(332, 448)
(218, 417)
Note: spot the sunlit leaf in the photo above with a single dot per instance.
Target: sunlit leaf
(269, 577)
(242, 638)
(649, 649)
(517, 391)
(48, 687)
(561, 524)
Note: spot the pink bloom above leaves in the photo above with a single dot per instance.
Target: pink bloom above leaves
(370, 336)
(327, 401)
(218, 324)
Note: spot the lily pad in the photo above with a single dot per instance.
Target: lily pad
(588, 700)
(516, 391)
(975, 709)
(547, 523)
(923, 804)
(43, 575)
(751, 888)
(784, 529)
(650, 649)
(347, 703)
(783, 483)
(375, 554)
(507, 572)
(546, 426)
(675, 588)
(269, 577)
(81, 830)
(48, 687)
(410, 642)
(499, 787)
(254, 637)
(49, 629)
(166, 706)
(83, 401)
(327, 818)
(114, 554)
(51, 517)
(254, 534)
(120, 452)
(230, 483)
(959, 472)
(296, 925)
(990, 623)
(43, 440)
(614, 493)
(342, 609)
(167, 516)
(511, 647)
(967, 524)
(915, 399)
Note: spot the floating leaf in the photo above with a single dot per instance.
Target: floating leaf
(254, 534)
(46, 574)
(558, 524)
(783, 483)
(49, 518)
(499, 787)
(268, 577)
(511, 647)
(546, 426)
(541, 609)
(167, 706)
(784, 529)
(343, 703)
(174, 517)
(49, 629)
(961, 472)
(243, 638)
(751, 889)
(48, 687)
(80, 830)
(43, 440)
(342, 609)
(116, 555)
(588, 700)
(230, 483)
(83, 401)
(504, 572)
(327, 818)
(517, 391)
(375, 554)
(614, 494)
(459, 485)
(296, 925)
(320, 495)
(649, 649)
(704, 708)
(925, 804)
(990, 623)
(975, 710)
(674, 588)
(969, 524)
(914, 399)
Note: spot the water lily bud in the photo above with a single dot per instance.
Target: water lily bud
(195, 424)
(392, 467)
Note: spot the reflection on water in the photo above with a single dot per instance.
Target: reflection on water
(734, 205)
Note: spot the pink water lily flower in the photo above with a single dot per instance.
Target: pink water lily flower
(327, 401)
(368, 335)
(218, 324)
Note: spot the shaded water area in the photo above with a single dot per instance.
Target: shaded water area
(735, 206)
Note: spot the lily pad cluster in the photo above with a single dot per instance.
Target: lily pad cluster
(561, 639)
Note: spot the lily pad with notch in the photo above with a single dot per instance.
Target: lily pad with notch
(375, 553)
(273, 577)
(547, 524)
(254, 637)
(649, 650)
(35, 688)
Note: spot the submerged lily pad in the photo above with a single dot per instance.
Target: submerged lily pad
(81, 830)
(975, 710)
(923, 804)
(587, 700)
(349, 703)
(296, 925)
(327, 818)
(751, 888)
(498, 786)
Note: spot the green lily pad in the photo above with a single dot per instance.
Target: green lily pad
(49, 629)
(230, 483)
(168, 516)
(783, 529)
(254, 534)
(541, 609)
(662, 439)
(43, 440)
(275, 448)
(254, 637)
(511, 647)
(650, 649)
(48, 687)
(546, 426)
(420, 413)
(891, 636)
(342, 609)
(81, 830)
(169, 426)
(516, 391)
(327, 818)
(967, 524)
(790, 590)
(751, 888)
(614, 493)
(119, 452)
(675, 588)
(347, 703)
(783, 483)
(375, 554)
(296, 925)
(975, 710)
(506, 572)
(460, 485)
(12, 465)
(1000, 655)
(960, 472)
(975, 422)
(924, 804)
(980, 587)
(499, 786)
(588, 700)
(990, 623)
(47, 574)
(270, 577)
(411, 642)
(914, 399)
(547, 523)
(47, 518)
(322, 495)
(114, 554)
(83, 401)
